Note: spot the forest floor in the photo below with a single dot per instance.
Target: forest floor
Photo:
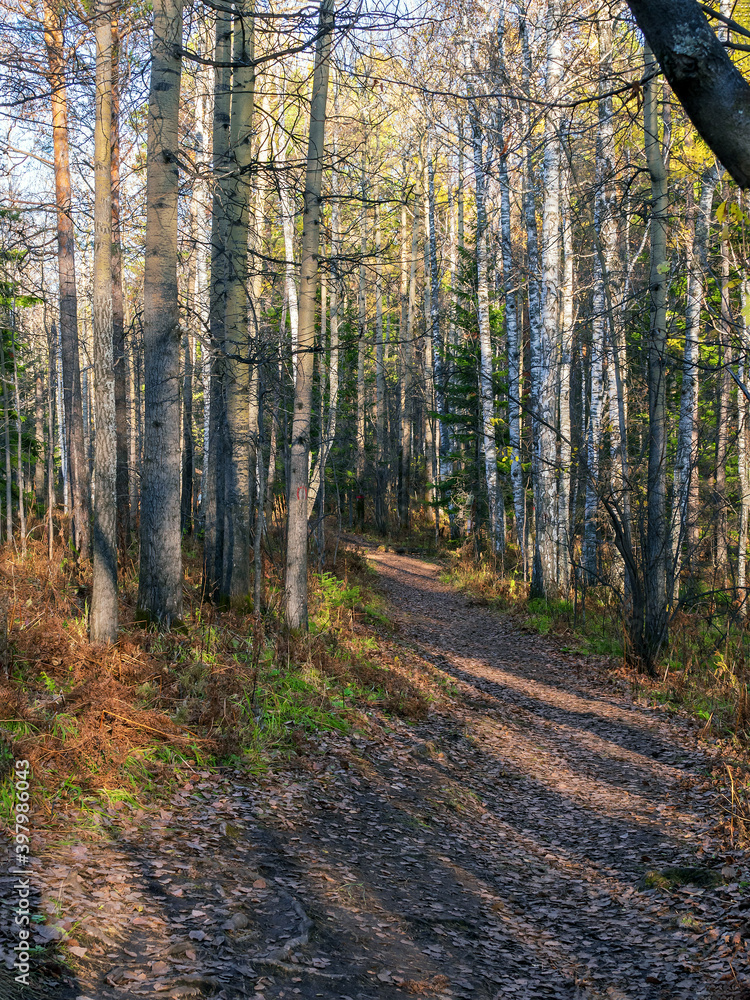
(539, 833)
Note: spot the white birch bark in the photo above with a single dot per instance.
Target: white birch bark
(596, 388)
(406, 328)
(236, 566)
(486, 387)
(443, 469)
(743, 470)
(567, 311)
(361, 348)
(61, 427)
(286, 201)
(380, 420)
(202, 200)
(512, 329)
(685, 470)
(534, 291)
(296, 554)
(611, 266)
(317, 478)
(544, 582)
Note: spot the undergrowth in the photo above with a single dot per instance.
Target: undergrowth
(128, 723)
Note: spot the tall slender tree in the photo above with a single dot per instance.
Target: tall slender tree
(236, 565)
(160, 578)
(118, 315)
(104, 590)
(215, 463)
(657, 531)
(77, 464)
(544, 575)
(296, 553)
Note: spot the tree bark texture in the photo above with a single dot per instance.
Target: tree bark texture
(709, 86)
(104, 589)
(544, 581)
(236, 584)
(655, 570)
(214, 464)
(512, 331)
(160, 578)
(486, 381)
(296, 554)
(77, 464)
(118, 316)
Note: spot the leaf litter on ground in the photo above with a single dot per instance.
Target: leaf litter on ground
(535, 832)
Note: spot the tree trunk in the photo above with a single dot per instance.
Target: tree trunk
(104, 589)
(259, 378)
(486, 381)
(595, 364)
(609, 262)
(160, 578)
(214, 476)
(8, 454)
(296, 554)
(19, 447)
(512, 330)
(567, 292)
(408, 279)
(236, 568)
(721, 563)
(188, 451)
(287, 225)
(361, 352)
(543, 583)
(118, 317)
(534, 293)
(134, 429)
(438, 376)
(39, 434)
(655, 625)
(61, 429)
(76, 462)
(317, 479)
(743, 467)
(686, 461)
(707, 83)
(52, 356)
(381, 517)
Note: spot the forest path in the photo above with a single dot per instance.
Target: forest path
(495, 849)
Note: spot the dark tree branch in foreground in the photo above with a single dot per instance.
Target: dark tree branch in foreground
(713, 92)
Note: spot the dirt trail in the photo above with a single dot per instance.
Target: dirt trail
(496, 849)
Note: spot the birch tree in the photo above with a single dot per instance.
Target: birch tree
(296, 554)
(236, 562)
(686, 460)
(215, 464)
(543, 581)
(118, 317)
(513, 333)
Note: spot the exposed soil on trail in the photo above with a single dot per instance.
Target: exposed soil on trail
(499, 848)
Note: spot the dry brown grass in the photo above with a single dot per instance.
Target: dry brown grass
(92, 718)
